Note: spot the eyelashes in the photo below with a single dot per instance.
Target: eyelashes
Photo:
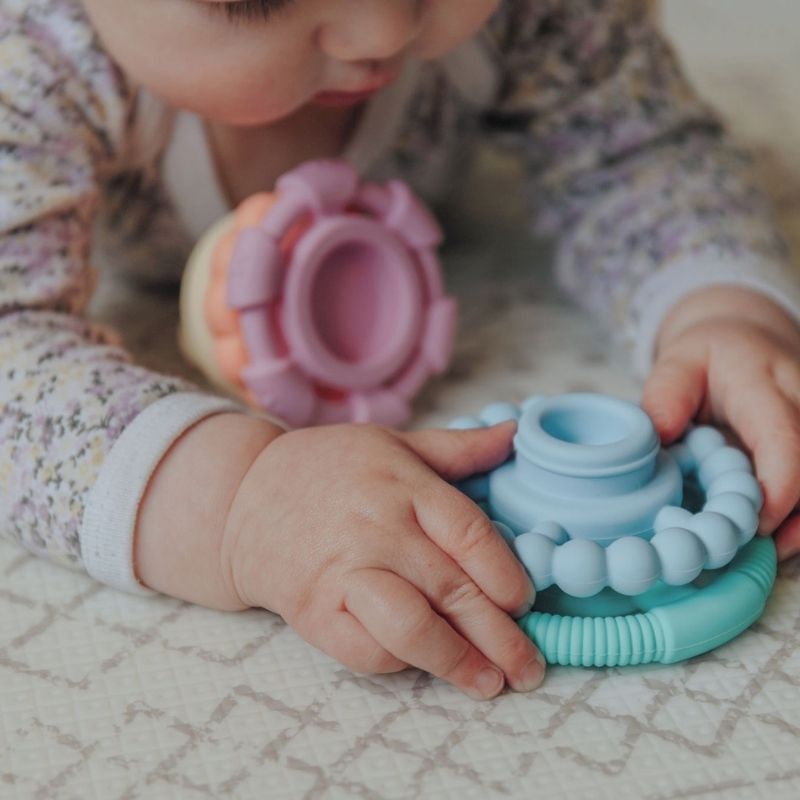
(250, 9)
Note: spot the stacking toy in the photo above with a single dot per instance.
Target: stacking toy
(322, 301)
(638, 553)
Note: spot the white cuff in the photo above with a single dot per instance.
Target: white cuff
(664, 288)
(109, 518)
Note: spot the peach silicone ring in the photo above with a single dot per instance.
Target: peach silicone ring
(326, 300)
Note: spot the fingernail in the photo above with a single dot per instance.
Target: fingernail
(504, 422)
(520, 612)
(532, 674)
(660, 419)
(526, 606)
(489, 682)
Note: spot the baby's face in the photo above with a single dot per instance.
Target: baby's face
(249, 62)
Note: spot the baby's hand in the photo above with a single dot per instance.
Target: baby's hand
(741, 374)
(351, 535)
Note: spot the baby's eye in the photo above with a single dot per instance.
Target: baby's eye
(249, 9)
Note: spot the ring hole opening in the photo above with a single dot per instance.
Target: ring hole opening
(588, 426)
(354, 302)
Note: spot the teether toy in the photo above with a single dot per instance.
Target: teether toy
(322, 301)
(638, 553)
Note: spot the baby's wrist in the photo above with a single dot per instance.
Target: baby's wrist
(737, 303)
(178, 543)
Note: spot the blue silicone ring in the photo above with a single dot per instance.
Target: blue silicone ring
(660, 540)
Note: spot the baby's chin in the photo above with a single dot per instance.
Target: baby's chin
(247, 119)
(242, 113)
(241, 118)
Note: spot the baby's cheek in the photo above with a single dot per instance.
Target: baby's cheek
(449, 24)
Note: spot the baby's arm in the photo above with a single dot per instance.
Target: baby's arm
(635, 176)
(81, 426)
(350, 533)
(178, 542)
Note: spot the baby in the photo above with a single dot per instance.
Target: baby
(150, 119)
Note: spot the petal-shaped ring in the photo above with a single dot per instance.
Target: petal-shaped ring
(323, 301)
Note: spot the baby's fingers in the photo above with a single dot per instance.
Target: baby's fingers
(456, 454)
(402, 621)
(787, 537)
(343, 637)
(769, 425)
(673, 393)
(456, 525)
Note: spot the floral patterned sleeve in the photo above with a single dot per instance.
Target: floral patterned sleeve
(636, 177)
(81, 427)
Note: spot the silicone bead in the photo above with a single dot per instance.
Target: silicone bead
(439, 334)
(739, 510)
(326, 185)
(681, 555)
(719, 536)
(742, 482)
(465, 423)
(683, 455)
(579, 567)
(672, 517)
(633, 565)
(253, 278)
(536, 554)
(703, 440)
(726, 459)
(410, 217)
(499, 412)
(552, 530)
(385, 405)
(279, 382)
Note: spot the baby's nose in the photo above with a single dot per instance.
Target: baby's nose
(381, 30)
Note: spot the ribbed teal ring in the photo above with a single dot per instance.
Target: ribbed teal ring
(699, 622)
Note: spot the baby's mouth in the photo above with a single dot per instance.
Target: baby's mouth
(367, 89)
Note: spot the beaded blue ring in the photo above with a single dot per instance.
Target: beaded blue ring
(594, 463)
(684, 543)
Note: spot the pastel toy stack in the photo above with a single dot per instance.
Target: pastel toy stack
(638, 553)
(322, 301)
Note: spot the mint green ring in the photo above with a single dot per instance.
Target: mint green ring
(674, 623)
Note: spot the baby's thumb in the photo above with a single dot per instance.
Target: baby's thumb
(673, 393)
(457, 454)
